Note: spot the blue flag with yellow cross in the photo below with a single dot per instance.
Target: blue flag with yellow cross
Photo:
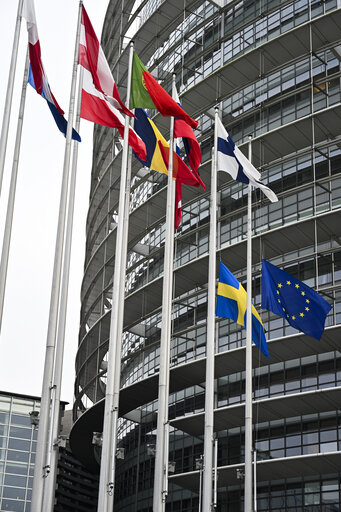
(302, 307)
(231, 303)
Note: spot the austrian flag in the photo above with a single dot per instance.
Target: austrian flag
(101, 102)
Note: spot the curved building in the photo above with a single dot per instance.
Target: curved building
(273, 67)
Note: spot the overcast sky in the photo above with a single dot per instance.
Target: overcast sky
(25, 319)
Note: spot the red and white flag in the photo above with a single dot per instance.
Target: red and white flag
(178, 201)
(101, 102)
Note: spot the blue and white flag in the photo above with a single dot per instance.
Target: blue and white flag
(231, 160)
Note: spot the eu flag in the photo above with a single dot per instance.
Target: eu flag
(231, 303)
(288, 297)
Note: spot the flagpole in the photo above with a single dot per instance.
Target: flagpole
(248, 363)
(52, 455)
(210, 345)
(107, 471)
(12, 191)
(41, 470)
(9, 93)
(161, 456)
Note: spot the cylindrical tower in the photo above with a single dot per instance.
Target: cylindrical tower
(273, 68)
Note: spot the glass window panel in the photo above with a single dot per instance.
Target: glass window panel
(14, 492)
(16, 468)
(13, 506)
(4, 417)
(17, 419)
(15, 480)
(5, 403)
(19, 444)
(21, 406)
(23, 433)
(17, 456)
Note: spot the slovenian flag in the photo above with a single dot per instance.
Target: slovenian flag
(37, 77)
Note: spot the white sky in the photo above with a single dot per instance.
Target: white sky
(25, 319)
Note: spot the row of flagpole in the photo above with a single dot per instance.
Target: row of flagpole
(45, 463)
(41, 492)
(44, 473)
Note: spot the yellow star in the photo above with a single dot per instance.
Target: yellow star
(297, 285)
(289, 283)
(307, 309)
(279, 300)
(277, 292)
(302, 293)
(293, 317)
(307, 301)
(279, 285)
(287, 316)
(302, 314)
(283, 309)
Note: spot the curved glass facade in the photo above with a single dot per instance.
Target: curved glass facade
(273, 67)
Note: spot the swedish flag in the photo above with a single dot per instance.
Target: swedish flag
(288, 297)
(231, 303)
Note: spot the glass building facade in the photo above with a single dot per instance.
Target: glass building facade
(273, 68)
(18, 438)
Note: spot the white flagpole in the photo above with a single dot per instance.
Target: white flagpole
(9, 93)
(11, 196)
(52, 455)
(161, 456)
(107, 471)
(210, 343)
(41, 469)
(248, 364)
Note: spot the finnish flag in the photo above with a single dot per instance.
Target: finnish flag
(231, 160)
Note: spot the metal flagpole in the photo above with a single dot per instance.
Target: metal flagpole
(52, 454)
(210, 345)
(255, 480)
(107, 471)
(215, 488)
(248, 364)
(9, 93)
(11, 196)
(161, 456)
(41, 470)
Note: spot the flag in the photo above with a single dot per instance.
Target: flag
(191, 145)
(146, 92)
(231, 303)
(37, 76)
(158, 150)
(231, 160)
(92, 58)
(300, 305)
(101, 103)
(178, 200)
(181, 172)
